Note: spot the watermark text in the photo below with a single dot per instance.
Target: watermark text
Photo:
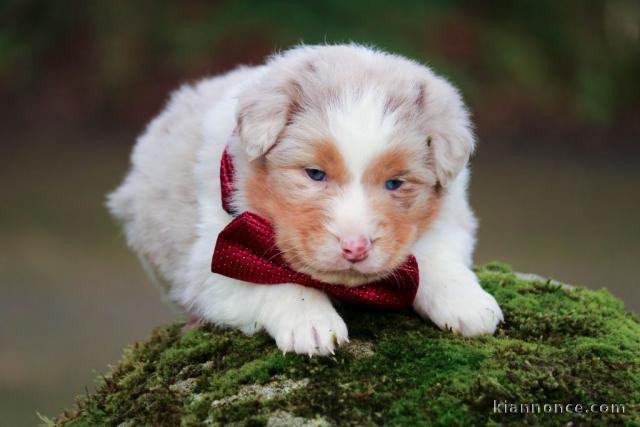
(505, 407)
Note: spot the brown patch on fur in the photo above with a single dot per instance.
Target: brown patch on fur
(293, 203)
(403, 226)
(404, 213)
(405, 195)
(392, 163)
(330, 160)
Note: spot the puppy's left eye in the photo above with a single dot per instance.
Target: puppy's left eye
(393, 184)
(316, 174)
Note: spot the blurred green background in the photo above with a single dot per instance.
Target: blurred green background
(553, 88)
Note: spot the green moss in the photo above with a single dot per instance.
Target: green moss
(557, 345)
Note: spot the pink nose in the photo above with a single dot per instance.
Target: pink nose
(355, 248)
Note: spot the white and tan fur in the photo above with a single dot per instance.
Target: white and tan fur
(361, 115)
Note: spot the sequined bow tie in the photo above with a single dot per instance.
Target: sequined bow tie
(246, 250)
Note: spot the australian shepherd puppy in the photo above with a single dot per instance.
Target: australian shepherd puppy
(356, 157)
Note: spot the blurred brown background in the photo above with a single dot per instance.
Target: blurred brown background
(553, 87)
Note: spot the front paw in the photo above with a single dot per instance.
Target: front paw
(459, 305)
(316, 331)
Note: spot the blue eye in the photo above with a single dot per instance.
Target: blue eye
(393, 184)
(316, 174)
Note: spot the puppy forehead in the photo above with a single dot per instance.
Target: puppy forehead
(360, 128)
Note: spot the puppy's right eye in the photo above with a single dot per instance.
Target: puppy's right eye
(316, 174)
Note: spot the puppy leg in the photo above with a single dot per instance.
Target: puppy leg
(302, 320)
(449, 293)
(299, 318)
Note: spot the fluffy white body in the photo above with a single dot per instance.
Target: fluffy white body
(170, 201)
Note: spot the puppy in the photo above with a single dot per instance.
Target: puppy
(358, 160)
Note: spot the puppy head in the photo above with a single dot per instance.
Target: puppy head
(350, 153)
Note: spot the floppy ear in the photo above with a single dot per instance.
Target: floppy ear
(263, 112)
(450, 152)
(450, 134)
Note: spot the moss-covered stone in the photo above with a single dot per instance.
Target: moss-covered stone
(557, 345)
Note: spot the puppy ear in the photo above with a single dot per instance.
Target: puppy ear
(264, 110)
(450, 134)
(450, 153)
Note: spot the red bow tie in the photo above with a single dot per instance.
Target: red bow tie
(246, 250)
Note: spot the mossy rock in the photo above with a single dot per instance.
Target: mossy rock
(557, 345)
